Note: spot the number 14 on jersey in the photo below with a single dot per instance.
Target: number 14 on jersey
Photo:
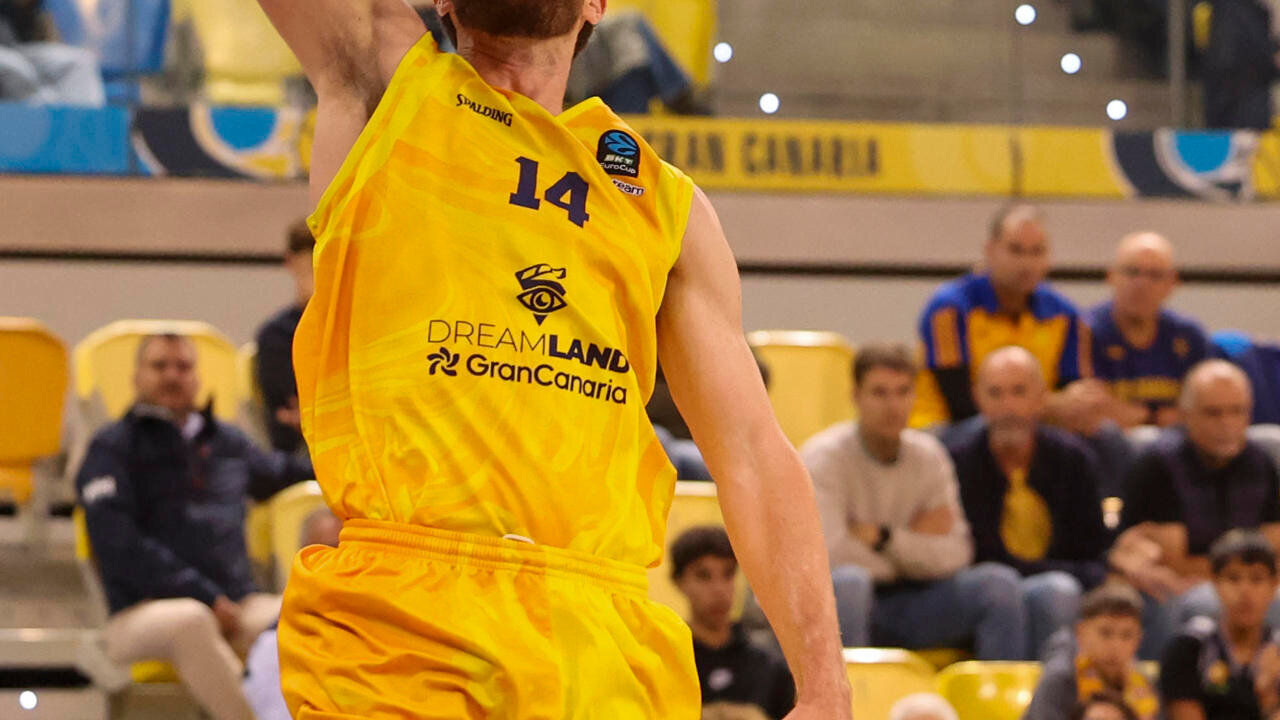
(571, 186)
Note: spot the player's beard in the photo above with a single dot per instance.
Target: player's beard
(535, 19)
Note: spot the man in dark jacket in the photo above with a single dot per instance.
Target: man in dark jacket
(274, 370)
(1030, 493)
(1188, 489)
(1240, 66)
(164, 492)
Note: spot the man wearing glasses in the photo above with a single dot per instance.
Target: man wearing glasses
(1140, 349)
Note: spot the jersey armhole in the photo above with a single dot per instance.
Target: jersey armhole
(318, 220)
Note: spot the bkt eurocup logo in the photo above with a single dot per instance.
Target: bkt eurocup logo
(543, 294)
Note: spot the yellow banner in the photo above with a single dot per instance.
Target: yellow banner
(779, 155)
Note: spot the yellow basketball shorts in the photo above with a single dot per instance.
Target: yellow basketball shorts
(401, 621)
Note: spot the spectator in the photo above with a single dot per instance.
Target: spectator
(1104, 706)
(1188, 489)
(628, 67)
(1008, 304)
(1229, 669)
(262, 667)
(1099, 657)
(1239, 66)
(164, 492)
(1031, 493)
(898, 540)
(1141, 350)
(730, 668)
(35, 69)
(923, 706)
(275, 346)
(1260, 361)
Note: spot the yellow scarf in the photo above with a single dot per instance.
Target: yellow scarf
(1137, 691)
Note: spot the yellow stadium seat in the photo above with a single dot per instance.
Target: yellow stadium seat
(881, 677)
(33, 387)
(811, 378)
(105, 362)
(942, 657)
(146, 671)
(989, 690)
(694, 504)
(288, 510)
(687, 29)
(257, 537)
(245, 61)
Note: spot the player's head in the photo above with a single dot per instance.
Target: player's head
(165, 374)
(1105, 705)
(1017, 250)
(1142, 276)
(1010, 393)
(884, 380)
(1244, 576)
(528, 19)
(298, 250)
(1110, 630)
(704, 569)
(1217, 405)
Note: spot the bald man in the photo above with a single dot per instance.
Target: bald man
(1188, 489)
(1008, 303)
(1030, 493)
(1140, 349)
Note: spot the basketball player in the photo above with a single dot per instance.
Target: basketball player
(495, 280)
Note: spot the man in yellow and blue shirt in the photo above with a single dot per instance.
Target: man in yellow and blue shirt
(1007, 304)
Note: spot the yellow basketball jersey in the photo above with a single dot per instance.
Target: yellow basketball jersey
(481, 344)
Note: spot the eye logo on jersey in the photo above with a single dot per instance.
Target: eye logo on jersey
(619, 154)
(444, 361)
(543, 294)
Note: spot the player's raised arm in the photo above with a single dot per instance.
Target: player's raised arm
(349, 50)
(340, 42)
(765, 491)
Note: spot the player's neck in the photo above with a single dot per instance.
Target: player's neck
(713, 635)
(537, 69)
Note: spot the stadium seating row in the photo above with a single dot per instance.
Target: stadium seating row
(977, 690)
(810, 386)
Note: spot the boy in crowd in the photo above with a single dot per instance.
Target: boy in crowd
(1229, 669)
(1100, 656)
(730, 668)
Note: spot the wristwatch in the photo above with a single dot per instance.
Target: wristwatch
(885, 535)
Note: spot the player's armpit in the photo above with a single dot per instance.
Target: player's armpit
(346, 46)
(764, 489)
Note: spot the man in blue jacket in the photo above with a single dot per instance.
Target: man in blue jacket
(164, 492)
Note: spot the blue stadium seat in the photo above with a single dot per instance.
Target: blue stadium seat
(128, 37)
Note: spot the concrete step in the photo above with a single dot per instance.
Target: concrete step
(53, 704)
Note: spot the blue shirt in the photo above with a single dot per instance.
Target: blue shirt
(1150, 376)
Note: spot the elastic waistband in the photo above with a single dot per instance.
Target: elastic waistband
(497, 554)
